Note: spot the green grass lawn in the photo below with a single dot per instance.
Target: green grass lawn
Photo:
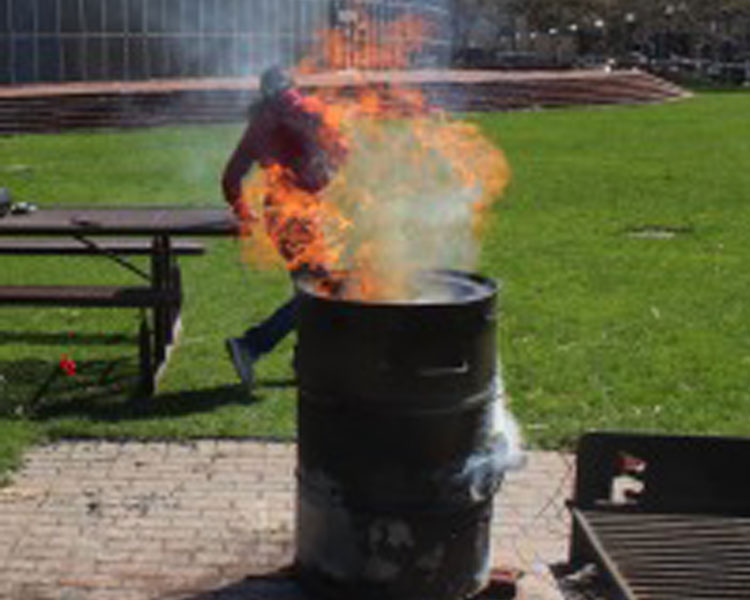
(599, 329)
(604, 330)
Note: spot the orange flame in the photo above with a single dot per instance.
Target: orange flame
(412, 193)
(365, 44)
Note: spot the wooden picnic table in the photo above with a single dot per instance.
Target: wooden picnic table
(82, 230)
(150, 221)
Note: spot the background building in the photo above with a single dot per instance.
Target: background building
(83, 40)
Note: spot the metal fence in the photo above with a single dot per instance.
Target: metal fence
(79, 40)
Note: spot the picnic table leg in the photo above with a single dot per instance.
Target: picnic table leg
(174, 308)
(147, 373)
(160, 259)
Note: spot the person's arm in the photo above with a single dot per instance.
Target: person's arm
(239, 164)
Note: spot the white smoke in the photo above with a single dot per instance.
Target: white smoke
(410, 206)
(505, 425)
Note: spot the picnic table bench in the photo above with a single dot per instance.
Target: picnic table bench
(79, 231)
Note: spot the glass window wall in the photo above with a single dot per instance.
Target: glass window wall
(73, 40)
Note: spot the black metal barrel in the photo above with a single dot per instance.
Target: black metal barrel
(397, 459)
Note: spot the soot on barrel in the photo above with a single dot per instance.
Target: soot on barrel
(397, 453)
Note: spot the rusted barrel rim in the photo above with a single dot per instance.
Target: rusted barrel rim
(452, 288)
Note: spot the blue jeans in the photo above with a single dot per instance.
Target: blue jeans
(264, 337)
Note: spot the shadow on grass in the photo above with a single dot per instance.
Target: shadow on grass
(284, 382)
(47, 338)
(103, 390)
(28, 384)
(32, 386)
(134, 406)
(21, 383)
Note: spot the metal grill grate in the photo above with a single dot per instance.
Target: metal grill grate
(672, 556)
(664, 517)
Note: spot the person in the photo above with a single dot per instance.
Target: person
(286, 135)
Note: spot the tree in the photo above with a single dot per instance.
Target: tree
(666, 26)
(716, 29)
(475, 21)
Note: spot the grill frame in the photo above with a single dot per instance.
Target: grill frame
(687, 496)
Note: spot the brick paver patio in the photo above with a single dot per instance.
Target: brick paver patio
(137, 521)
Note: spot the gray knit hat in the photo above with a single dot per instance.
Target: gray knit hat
(275, 80)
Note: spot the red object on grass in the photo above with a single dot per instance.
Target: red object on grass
(68, 365)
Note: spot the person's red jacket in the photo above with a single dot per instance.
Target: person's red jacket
(282, 130)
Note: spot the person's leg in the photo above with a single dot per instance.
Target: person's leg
(262, 338)
(292, 234)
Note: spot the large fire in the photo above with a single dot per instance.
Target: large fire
(411, 193)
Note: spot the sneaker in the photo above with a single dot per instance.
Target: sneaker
(243, 359)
